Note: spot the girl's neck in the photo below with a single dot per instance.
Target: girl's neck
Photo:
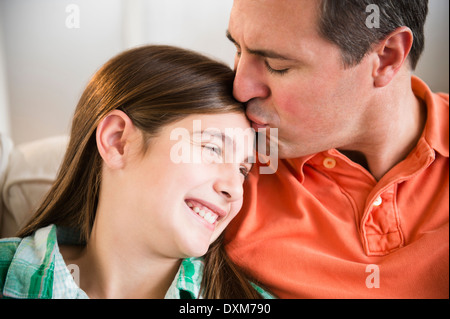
(112, 269)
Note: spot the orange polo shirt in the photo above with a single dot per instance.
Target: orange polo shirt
(323, 227)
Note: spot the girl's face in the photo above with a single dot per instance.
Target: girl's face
(188, 186)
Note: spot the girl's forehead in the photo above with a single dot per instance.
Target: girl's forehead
(212, 122)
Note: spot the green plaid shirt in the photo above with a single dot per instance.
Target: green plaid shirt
(33, 267)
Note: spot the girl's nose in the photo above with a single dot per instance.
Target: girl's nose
(229, 184)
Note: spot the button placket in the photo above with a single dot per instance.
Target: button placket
(378, 201)
(381, 228)
(329, 162)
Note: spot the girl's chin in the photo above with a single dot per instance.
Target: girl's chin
(195, 252)
(195, 248)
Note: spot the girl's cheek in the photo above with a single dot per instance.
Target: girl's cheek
(235, 208)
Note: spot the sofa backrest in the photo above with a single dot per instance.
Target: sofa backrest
(27, 173)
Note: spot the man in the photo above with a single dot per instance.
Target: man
(358, 205)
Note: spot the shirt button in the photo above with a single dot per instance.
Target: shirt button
(329, 162)
(377, 201)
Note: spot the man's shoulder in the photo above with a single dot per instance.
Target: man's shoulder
(443, 96)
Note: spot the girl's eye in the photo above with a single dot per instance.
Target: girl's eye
(244, 171)
(214, 149)
(275, 71)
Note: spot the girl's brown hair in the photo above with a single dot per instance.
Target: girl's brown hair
(154, 86)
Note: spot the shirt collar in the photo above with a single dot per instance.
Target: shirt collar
(37, 269)
(187, 282)
(30, 274)
(436, 129)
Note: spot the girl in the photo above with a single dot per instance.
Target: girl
(125, 214)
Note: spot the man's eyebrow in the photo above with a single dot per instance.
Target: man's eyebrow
(270, 54)
(231, 38)
(262, 53)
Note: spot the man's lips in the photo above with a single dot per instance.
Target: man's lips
(257, 123)
(256, 126)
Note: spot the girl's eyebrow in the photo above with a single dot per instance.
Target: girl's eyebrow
(218, 134)
(227, 140)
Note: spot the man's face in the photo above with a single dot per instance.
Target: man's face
(293, 79)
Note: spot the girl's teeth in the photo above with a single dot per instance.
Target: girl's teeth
(208, 216)
(213, 219)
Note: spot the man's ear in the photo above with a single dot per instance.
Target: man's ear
(113, 136)
(392, 53)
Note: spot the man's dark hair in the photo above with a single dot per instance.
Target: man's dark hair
(343, 22)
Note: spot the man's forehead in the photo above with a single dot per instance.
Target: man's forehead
(273, 23)
(287, 31)
(278, 12)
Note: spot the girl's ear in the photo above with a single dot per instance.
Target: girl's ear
(114, 135)
(392, 53)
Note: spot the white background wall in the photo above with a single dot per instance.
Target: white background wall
(44, 66)
(433, 66)
(4, 104)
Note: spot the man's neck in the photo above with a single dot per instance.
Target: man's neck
(391, 139)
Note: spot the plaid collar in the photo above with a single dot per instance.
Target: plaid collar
(36, 269)
(33, 268)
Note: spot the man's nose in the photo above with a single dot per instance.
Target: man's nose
(249, 82)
